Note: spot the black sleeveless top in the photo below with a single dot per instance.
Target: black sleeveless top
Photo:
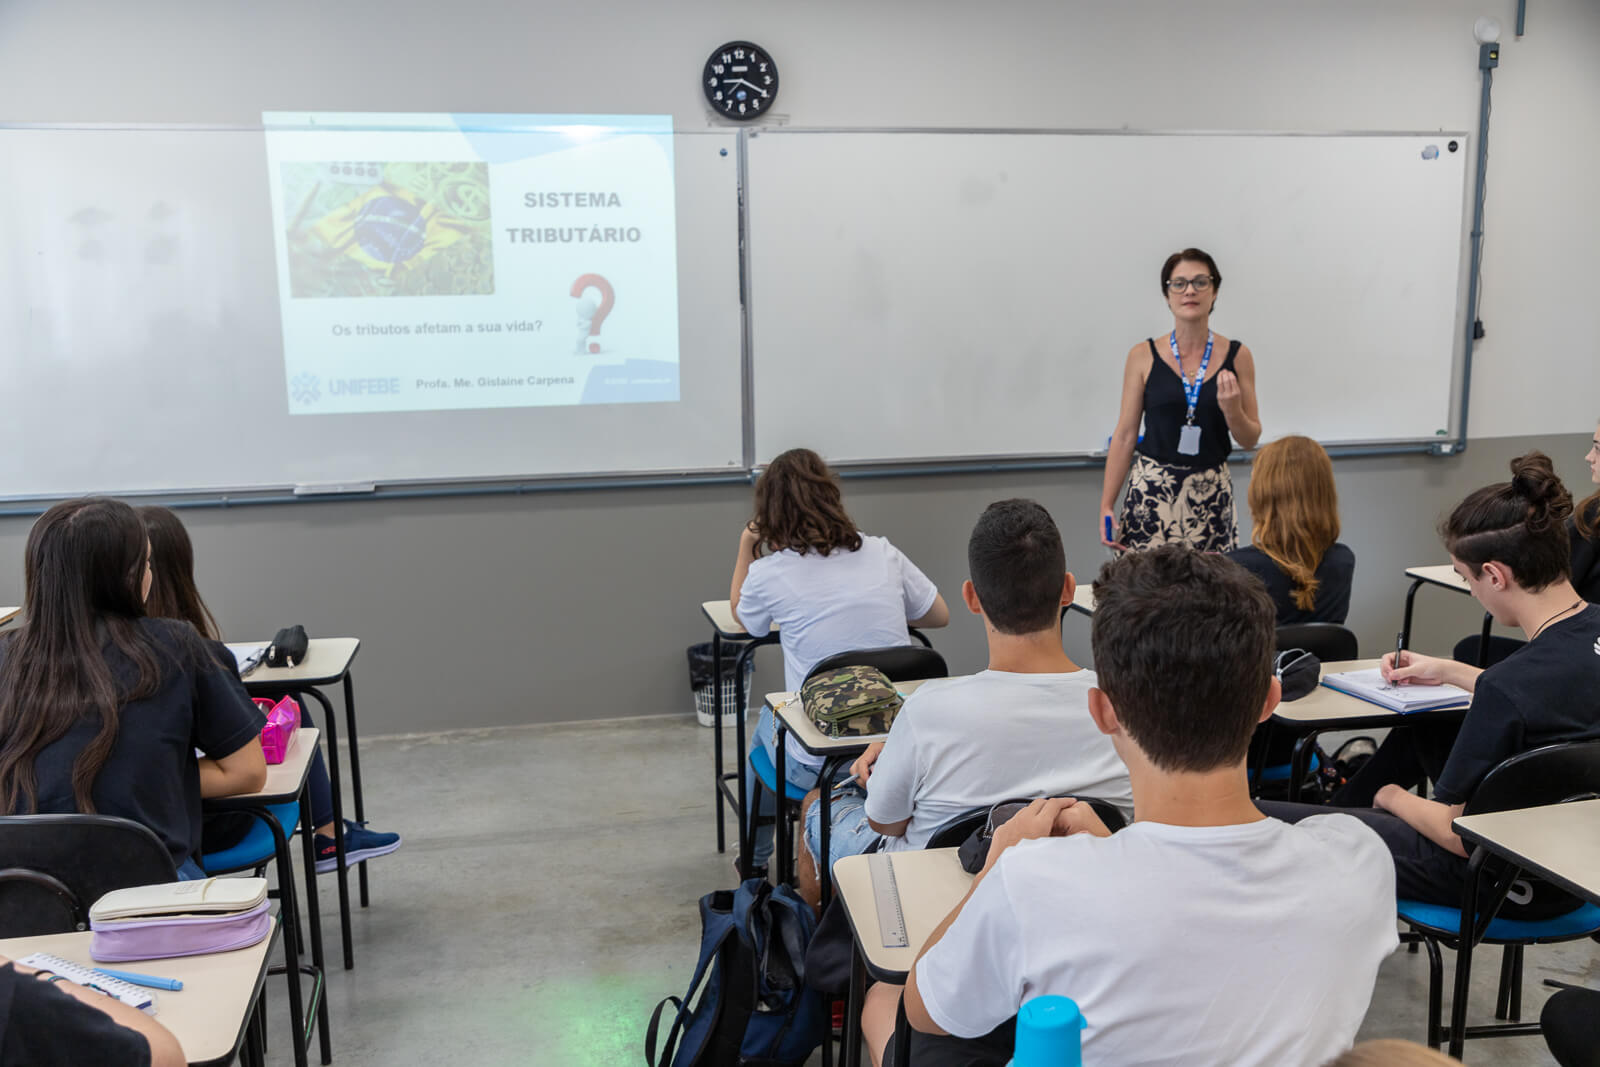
(1166, 404)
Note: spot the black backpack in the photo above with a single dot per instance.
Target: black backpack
(753, 1007)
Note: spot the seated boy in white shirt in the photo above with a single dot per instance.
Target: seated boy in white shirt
(1182, 937)
(1021, 728)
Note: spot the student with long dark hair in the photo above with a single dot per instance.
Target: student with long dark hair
(102, 707)
(174, 595)
(1509, 542)
(804, 567)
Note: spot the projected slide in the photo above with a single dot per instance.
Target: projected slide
(434, 262)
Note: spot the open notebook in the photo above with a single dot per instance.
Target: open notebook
(1370, 686)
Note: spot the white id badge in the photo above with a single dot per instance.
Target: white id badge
(1189, 440)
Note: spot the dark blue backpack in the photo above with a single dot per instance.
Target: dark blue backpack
(754, 1007)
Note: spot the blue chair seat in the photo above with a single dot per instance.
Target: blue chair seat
(1446, 921)
(1280, 773)
(769, 776)
(256, 848)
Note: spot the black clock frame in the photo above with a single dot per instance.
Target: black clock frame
(726, 69)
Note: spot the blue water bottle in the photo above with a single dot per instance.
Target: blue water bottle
(1048, 1030)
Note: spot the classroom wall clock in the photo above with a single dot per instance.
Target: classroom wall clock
(740, 81)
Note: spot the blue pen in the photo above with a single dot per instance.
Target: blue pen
(148, 981)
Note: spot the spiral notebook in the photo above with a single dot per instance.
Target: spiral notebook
(131, 995)
(1369, 685)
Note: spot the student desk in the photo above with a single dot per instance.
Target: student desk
(836, 752)
(211, 1015)
(327, 662)
(7, 614)
(930, 884)
(1082, 599)
(1441, 576)
(725, 627)
(286, 782)
(1325, 709)
(1558, 842)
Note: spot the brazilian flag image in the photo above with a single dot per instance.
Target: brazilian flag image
(388, 229)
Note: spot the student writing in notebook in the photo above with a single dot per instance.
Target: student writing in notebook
(46, 1021)
(1021, 728)
(102, 707)
(1509, 542)
(804, 566)
(1181, 936)
(174, 595)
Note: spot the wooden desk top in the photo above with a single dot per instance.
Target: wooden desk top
(208, 1014)
(327, 661)
(7, 614)
(1561, 842)
(931, 883)
(284, 780)
(720, 614)
(1443, 575)
(789, 710)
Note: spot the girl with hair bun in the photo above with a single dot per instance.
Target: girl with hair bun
(1509, 542)
(1294, 539)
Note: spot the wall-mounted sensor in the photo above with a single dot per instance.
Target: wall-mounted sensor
(1486, 30)
(1431, 152)
(1453, 146)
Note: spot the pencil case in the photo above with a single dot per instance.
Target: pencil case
(283, 719)
(166, 936)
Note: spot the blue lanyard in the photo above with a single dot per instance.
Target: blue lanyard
(1191, 390)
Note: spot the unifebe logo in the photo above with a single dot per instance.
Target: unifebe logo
(305, 389)
(1597, 646)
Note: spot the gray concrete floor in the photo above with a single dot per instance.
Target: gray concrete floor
(545, 900)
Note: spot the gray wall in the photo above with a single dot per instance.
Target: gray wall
(559, 606)
(479, 611)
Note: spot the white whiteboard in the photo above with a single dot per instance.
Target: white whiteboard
(142, 347)
(923, 295)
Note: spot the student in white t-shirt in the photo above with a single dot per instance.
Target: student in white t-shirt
(1019, 729)
(804, 567)
(1183, 937)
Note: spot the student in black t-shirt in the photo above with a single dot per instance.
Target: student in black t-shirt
(1509, 542)
(1294, 538)
(1583, 530)
(174, 595)
(102, 708)
(46, 1021)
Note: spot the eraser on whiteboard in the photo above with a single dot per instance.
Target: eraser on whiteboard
(334, 488)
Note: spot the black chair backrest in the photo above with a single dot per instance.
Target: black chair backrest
(901, 663)
(1327, 641)
(957, 829)
(45, 859)
(1550, 774)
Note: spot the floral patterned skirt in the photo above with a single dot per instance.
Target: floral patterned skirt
(1168, 505)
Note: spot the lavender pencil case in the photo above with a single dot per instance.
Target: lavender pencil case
(121, 940)
(179, 919)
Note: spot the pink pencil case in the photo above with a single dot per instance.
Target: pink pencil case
(177, 935)
(283, 719)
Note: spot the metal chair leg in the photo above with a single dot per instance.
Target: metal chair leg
(1502, 998)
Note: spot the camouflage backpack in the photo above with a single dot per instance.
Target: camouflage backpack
(851, 701)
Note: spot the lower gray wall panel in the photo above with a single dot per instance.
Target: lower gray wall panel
(547, 607)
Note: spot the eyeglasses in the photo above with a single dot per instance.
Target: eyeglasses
(1201, 283)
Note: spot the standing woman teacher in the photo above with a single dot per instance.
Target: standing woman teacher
(1195, 390)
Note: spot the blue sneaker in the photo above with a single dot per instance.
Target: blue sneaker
(359, 844)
